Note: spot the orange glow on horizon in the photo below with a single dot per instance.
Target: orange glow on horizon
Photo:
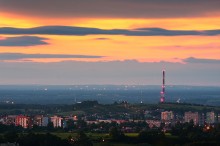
(119, 47)
(194, 23)
(142, 49)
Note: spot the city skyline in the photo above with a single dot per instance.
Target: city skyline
(73, 42)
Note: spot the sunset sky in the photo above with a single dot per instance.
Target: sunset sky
(73, 42)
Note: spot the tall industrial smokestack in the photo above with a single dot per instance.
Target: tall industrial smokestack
(162, 93)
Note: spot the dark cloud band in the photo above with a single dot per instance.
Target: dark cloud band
(17, 56)
(23, 41)
(201, 60)
(68, 30)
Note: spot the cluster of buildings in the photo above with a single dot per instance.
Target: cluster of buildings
(197, 118)
(169, 118)
(39, 120)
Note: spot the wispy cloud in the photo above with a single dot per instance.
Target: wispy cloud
(102, 39)
(69, 30)
(23, 41)
(200, 60)
(18, 56)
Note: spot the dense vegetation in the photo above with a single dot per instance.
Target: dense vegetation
(111, 134)
(90, 107)
(180, 135)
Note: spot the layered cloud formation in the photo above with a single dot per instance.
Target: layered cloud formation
(18, 56)
(109, 41)
(200, 60)
(68, 30)
(23, 41)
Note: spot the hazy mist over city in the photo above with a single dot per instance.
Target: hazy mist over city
(108, 94)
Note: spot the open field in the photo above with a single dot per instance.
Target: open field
(65, 135)
(70, 113)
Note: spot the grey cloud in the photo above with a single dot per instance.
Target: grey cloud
(23, 41)
(200, 60)
(69, 30)
(101, 39)
(114, 72)
(111, 8)
(17, 56)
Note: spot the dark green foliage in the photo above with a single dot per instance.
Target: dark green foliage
(81, 140)
(203, 143)
(86, 104)
(150, 136)
(2, 140)
(81, 124)
(144, 144)
(7, 128)
(70, 125)
(42, 140)
(189, 132)
(116, 134)
(50, 126)
(11, 136)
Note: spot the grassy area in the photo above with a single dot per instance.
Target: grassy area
(169, 135)
(97, 137)
(195, 107)
(65, 135)
(120, 144)
(70, 113)
(132, 134)
(177, 107)
(11, 111)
